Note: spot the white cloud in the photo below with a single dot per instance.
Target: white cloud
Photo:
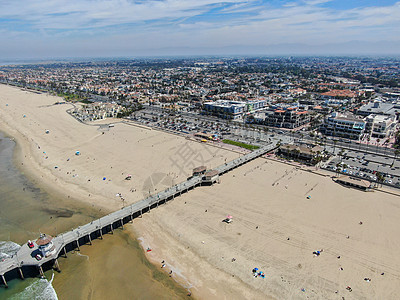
(64, 14)
(316, 2)
(124, 25)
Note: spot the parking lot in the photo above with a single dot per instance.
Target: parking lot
(366, 166)
(179, 124)
(351, 162)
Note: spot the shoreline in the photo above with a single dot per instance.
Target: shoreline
(275, 227)
(26, 161)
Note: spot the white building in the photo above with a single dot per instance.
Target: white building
(46, 246)
(343, 125)
(379, 126)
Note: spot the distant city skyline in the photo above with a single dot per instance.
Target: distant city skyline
(100, 28)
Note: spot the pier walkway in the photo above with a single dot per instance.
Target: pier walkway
(24, 260)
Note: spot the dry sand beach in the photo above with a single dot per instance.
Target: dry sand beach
(275, 227)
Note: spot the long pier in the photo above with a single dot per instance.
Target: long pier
(24, 263)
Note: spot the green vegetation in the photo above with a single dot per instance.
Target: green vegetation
(239, 144)
(128, 111)
(85, 101)
(396, 144)
(71, 97)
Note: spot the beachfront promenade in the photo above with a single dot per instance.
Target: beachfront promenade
(24, 262)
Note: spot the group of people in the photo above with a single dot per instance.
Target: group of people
(318, 252)
(257, 273)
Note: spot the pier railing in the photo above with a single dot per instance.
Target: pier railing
(24, 259)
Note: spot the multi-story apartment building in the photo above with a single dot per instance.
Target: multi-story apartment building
(97, 111)
(343, 125)
(379, 126)
(291, 117)
(227, 109)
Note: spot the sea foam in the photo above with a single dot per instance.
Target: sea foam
(40, 289)
(8, 249)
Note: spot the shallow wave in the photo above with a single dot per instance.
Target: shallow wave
(83, 255)
(8, 249)
(40, 289)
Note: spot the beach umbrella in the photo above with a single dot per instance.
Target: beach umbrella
(229, 217)
(104, 178)
(77, 153)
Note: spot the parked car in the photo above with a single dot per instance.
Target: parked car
(30, 244)
(38, 257)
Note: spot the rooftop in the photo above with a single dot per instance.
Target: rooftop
(44, 239)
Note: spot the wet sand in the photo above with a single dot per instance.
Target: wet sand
(116, 263)
(113, 268)
(276, 226)
(156, 160)
(27, 209)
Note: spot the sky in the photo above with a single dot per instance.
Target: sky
(129, 28)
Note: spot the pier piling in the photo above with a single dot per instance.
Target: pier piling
(65, 242)
(4, 280)
(20, 273)
(57, 266)
(41, 271)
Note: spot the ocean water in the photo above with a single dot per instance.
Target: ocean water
(115, 263)
(8, 249)
(40, 289)
(15, 227)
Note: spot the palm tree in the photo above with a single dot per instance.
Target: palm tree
(377, 143)
(396, 153)
(380, 178)
(341, 155)
(334, 146)
(386, 144)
